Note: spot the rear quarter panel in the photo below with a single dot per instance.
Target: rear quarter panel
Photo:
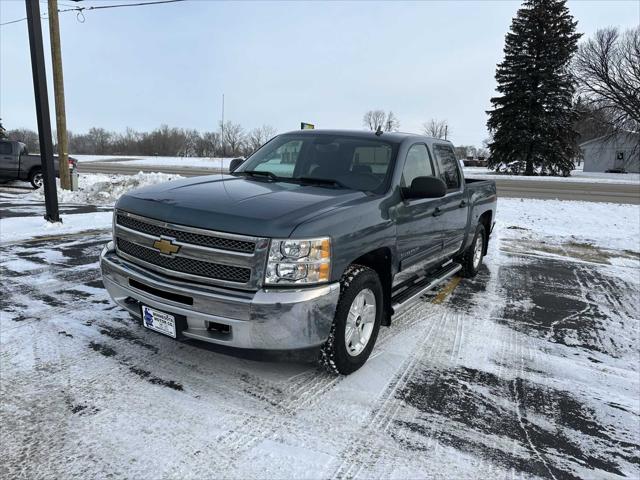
(483, 198)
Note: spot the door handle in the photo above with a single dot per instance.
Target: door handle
(437, 212)
(463, 204)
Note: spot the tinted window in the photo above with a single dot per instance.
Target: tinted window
(371, 159)
(417, 164)
(359, 163)
(6, 148)
(449, 172)
(282, 160)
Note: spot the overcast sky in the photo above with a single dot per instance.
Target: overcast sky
(277, 63)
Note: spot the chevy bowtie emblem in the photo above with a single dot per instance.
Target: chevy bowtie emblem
(166, 246)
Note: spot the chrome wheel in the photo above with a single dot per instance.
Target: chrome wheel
(477, 251)
(360, 322)
(38, 180)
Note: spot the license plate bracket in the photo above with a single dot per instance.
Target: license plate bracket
(169, 324)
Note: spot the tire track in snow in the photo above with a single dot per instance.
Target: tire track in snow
(370, 440)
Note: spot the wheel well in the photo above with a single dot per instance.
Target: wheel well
(33, 169)
(485, 219)
(380, 261)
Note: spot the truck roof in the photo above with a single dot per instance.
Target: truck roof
(395, 137)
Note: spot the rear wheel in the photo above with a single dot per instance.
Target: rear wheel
(356, 322)
(36, 178)
(472, 257)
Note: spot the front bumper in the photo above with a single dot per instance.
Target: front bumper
(269, 319)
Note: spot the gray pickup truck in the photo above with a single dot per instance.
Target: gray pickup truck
(17, 164)
(314, 241)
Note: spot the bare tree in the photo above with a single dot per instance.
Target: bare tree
(607, 70)
(233, 138)
(391, 124)
(259, 136)
(28, 137)
(374, 120)
(436, 128)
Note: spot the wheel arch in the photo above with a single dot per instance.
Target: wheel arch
(485, 219)
(379, 260)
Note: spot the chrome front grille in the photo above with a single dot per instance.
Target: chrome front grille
(184, 236)
(185, 265)
(195, 254)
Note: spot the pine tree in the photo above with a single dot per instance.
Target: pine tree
(532, 120)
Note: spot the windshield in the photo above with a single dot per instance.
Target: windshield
(332, 160)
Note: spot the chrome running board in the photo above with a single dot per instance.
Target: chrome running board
(412, 293)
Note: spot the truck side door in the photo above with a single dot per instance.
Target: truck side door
(453, 207)
(418, 240)
(9, 160)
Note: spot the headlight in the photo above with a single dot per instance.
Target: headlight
(298, 261)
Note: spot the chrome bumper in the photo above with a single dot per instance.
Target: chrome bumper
(269, 319)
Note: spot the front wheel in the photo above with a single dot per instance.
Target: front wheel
(36, 178)
(356, 322)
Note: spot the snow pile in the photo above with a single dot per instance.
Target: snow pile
(21, 228)
(606, 225)
(102, 189)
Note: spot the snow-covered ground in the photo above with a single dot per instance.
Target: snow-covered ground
(530, 370)
(200, 162)
(576, 176)
(23, 228)
(604, 225)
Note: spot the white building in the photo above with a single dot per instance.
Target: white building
(619, 153)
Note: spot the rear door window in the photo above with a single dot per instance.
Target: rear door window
(449, 168)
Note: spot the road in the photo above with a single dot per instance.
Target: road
(528, 370)
(520, 188)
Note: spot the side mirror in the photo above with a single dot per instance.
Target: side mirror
(235, 163)
(425, 187)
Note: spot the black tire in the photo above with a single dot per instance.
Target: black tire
(334, 355)
(469, 267)
(35, 177)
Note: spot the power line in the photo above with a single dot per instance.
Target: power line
(80, 10)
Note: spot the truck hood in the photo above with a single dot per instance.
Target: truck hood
(236, 204)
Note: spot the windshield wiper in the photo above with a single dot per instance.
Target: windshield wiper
(321, 181)
(258, 173)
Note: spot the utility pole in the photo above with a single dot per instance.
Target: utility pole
(42, 109)
(58, 90)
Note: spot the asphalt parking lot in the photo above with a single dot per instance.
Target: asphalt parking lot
(528, 370)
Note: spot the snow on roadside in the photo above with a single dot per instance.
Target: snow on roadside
(104, 158)
(21, 228)
(187, 162)
(102, 189)
(606, 225)
(577, 176)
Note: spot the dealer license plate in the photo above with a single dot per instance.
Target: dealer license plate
(159, 321)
